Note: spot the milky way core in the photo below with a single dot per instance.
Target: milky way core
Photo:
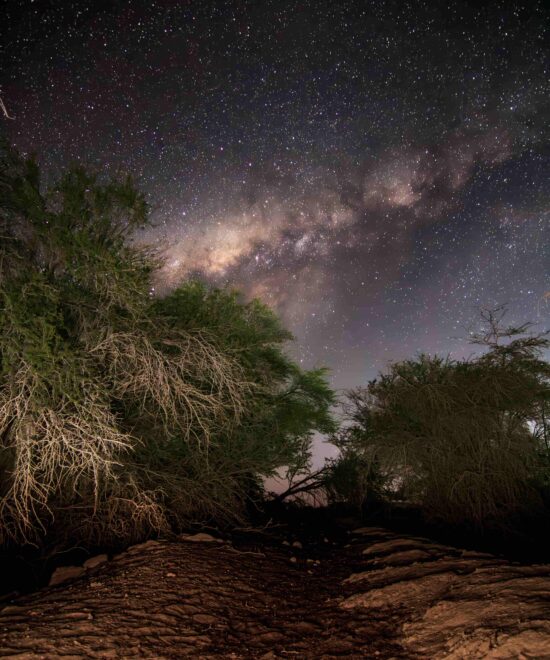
(375, 171)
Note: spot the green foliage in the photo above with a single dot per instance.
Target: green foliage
(353, 478)
(462, 438)
(285, 404)
(121, 414)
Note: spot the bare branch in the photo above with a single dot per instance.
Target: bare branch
(5, 110)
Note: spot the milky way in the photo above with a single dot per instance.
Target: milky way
(375, 171)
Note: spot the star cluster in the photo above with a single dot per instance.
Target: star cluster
(375, 171)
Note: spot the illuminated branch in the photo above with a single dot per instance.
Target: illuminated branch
(5, 110)
(544, 298)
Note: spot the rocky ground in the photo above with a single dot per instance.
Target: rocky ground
(373, 595)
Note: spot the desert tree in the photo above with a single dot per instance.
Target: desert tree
(285, 406)
(461, 438)
(121, 414)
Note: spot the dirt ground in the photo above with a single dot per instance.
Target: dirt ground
(372, 595)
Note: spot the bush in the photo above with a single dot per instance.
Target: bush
(352, 478)
(283, 406)
(461, 438)
(121, 414)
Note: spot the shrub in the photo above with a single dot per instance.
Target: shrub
(462, 438)
(353, 479)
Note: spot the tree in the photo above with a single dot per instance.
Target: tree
(284, 406)
(461, 437)
(121, 414)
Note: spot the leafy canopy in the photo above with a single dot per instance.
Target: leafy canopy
(464, 438)
(121, 414)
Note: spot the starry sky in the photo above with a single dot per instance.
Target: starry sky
(374, 171)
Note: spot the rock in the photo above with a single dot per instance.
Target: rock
(187, 600)
(13, 609)
(64, 573)
(92, 562)
(75, 616)
(206, 619)
(494, 612)
(140, 547)
(404, 558)
(340, 646)
(201, 537)
(270, 637)
(371, 531)
(455, 604)
(304, 627)
(386, 548)
(414, 593)
(382, 575)
(475, 555)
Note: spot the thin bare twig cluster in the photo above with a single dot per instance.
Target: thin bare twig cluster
(194, 386)
(4, 109)
(57, 451)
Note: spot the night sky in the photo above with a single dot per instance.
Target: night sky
(375, 171)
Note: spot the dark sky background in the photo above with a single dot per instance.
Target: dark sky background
(376, 171)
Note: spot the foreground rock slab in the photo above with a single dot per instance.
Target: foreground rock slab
(455, 604)
(197, 599)
(381, 596)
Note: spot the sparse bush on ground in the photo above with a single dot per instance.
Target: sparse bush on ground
(121, 414)
(352, 478)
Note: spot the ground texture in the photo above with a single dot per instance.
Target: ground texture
(378, 595)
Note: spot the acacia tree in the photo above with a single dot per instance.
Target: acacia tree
(460, 437)
(284, 406)
(120, 414)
